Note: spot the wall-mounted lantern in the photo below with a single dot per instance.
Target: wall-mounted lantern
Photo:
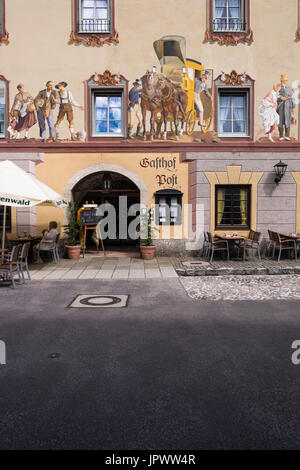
(154, 69)
(280, 169)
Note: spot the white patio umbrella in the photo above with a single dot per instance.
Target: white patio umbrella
(20, 189)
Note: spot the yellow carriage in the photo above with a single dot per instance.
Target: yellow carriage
(171, 52)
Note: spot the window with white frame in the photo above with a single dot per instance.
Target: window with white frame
(229, 15)
(233, 113)
(2, 109)
(108, 113)
(94, 16)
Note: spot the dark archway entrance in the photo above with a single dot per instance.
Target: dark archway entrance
(106, 188)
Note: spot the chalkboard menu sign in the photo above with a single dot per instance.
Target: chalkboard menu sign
(89, 216)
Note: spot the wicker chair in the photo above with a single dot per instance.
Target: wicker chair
(10, 265)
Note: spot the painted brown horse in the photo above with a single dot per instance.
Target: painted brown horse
(174, 102)
(150, 102)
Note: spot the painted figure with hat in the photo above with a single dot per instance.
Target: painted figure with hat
(286, 108)
(45, 103)
(23, 112)
(66, 102)
(200, 85)
(134, 108)
(268, 111)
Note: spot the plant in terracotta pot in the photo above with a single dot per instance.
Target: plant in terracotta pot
(72, 231)
(147, 233)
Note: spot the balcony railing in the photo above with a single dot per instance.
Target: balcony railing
(229, 25)
(94, 26)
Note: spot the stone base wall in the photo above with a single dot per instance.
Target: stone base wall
(170, 247)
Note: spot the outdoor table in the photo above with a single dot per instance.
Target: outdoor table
(231, 238)
(294, 236)
(23, 240)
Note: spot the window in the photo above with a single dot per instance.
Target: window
(1, 17)
(228, 22)
(233, 207)
(8, 218)
(108, 113)
(233, 114)
(94, 16)
(94, 23)
(3, 107)
(168, 207)
(229, 15)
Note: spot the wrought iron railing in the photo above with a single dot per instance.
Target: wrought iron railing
(229, 25)
(94, 26)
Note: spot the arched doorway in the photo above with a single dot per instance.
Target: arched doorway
(117, 190)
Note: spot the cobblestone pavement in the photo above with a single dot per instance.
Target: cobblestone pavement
(242, 287)
(104, 268)
(199, 267)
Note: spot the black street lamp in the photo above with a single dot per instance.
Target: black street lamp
(280, 169)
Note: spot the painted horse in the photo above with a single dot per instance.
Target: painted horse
(174, 102)
(150, 101)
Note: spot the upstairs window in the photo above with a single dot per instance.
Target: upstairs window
(228, 22)
(108, 113)
(229, 16)
(1, 17)
(3, 107)
(233, 113)
(94, 23)
(94, 16)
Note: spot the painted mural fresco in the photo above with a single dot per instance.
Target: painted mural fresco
(277, 110)
(174, 103)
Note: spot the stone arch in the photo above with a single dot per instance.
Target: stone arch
(106, 167)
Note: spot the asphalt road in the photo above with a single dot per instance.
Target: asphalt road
(166, 372)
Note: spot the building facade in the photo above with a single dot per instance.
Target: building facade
(221, 75)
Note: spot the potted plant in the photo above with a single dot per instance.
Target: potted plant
(72, 231)
(147, 232)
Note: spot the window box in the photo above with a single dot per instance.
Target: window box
(107, 97)
(94, 23)
(228, 22)
(168, 207)
(3, 33)
(233, 209)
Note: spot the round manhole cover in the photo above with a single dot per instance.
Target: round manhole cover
(101, 301)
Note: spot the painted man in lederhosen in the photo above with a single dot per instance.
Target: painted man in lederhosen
(286, 108)
(135, 112)
(45, 102)
(67, 102)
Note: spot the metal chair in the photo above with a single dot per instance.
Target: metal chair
(254, 241)
(205, 245)
(216, 245)
(282, 244)
(23, 261)
(52, 248)
(10, 265)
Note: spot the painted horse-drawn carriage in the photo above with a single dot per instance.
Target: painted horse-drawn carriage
(169, 95)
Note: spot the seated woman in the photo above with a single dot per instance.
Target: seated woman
(49, 238)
